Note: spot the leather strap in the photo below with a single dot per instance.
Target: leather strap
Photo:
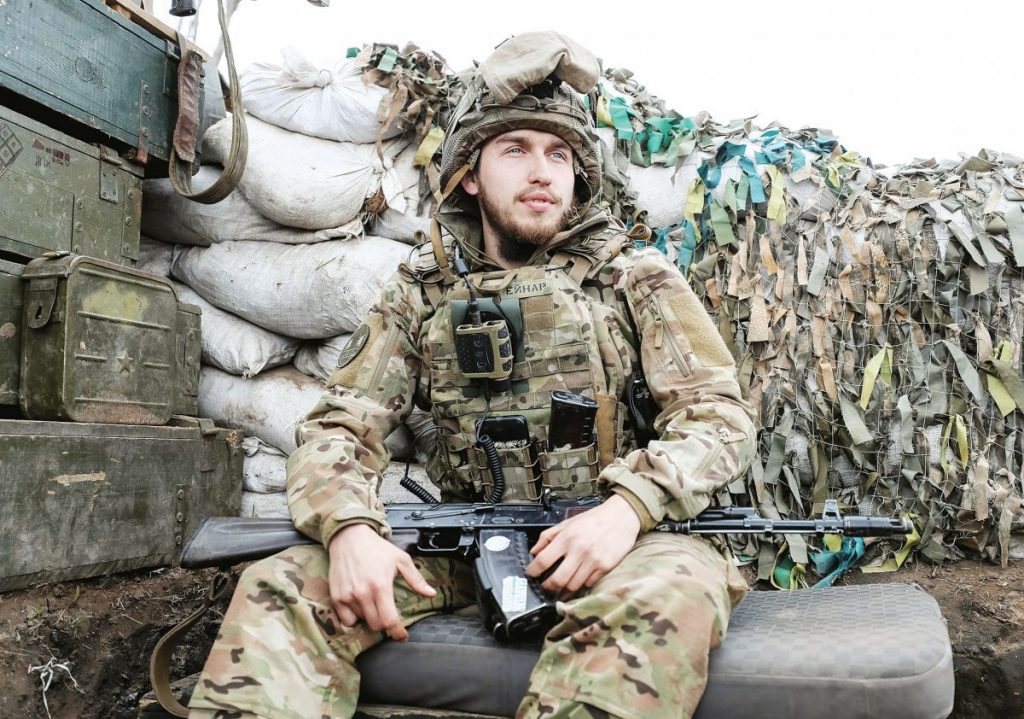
(163, 652)
(180, 169)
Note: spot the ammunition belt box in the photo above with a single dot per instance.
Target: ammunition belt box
(62, 195)
(80, 66)
(80, 500)
(103, 343)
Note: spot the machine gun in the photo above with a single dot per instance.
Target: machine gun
(497, 538)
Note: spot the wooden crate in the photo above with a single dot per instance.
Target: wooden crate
(80, 500)
(88, 70)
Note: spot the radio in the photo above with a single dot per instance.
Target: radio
(484, 350)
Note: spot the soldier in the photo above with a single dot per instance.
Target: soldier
(639, 611)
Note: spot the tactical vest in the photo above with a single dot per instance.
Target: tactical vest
(565, 339)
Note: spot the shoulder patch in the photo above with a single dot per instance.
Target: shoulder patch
(354, 346)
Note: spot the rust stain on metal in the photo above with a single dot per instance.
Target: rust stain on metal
(67, 479)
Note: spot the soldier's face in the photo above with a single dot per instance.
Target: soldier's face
(524, 183)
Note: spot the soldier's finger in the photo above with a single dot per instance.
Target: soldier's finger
(559, 578)
(391, 620)
(579, 578)
(544, 559)
(545, 538)
(414, 579)
(346, 614)
(595, 577)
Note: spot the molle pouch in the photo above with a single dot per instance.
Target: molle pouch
(570, 473)
(518, 464)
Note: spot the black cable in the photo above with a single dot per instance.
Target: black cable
(494, 465)
(416, 488)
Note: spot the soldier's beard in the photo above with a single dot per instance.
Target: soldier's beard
(518, 240)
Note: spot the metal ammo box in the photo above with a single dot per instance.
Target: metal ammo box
(101, 71)
(80, 500)
(62, 195)
(103, 343)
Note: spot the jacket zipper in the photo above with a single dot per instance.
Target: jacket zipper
(389, 347)
(661, 331)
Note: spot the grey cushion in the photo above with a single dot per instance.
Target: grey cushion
(865, 652)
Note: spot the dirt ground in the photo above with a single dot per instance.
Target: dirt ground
(98, 634)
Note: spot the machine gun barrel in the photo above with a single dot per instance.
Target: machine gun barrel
(744, 520)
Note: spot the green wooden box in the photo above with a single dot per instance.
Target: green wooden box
(80, 66)
(103, 343)
(61, 195)
(80, 500)
(10, 331)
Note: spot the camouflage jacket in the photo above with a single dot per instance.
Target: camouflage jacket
(592, 307)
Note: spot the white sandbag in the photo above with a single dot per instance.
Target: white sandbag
(265, 506)
(303, 291)
(214, 109)
(307, 182)
(660, 191)
(263, 468)
(400, 220)
(319, 359)
(329, 101)
(155, 257)
(234, 345)
(169, 217)
(272, 405)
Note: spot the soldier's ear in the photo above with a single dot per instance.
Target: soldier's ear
(469, 184)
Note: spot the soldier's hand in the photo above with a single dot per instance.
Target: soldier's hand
(589, 546)
(363, 567)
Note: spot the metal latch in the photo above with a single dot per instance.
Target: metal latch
(42, 297)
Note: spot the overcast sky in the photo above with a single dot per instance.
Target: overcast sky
(894, 79)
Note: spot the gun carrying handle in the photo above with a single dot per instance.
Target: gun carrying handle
(163, 652)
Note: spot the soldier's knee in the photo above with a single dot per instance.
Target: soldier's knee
(285, 573)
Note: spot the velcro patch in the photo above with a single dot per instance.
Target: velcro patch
(355, 344)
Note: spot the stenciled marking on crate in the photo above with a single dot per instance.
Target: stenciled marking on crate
(10, 148)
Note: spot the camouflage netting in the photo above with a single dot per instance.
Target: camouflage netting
(875, 313)
(876, 316)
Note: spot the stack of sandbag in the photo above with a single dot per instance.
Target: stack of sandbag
(876, 316)
(291, 262)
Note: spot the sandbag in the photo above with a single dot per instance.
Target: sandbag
(307, 182)
(263, 468)
(401, 219)
(319, 359)
(155, 257)
(234, 345)
(264, 506)
(303, 291)
(330, 101)
(272, 405)
(169, 217)
(660, 190)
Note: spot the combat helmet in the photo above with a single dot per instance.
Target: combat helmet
(533, 80)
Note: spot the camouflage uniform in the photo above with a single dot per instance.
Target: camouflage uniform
(634, 645)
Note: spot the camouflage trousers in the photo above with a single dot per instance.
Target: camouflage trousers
(635, 645)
